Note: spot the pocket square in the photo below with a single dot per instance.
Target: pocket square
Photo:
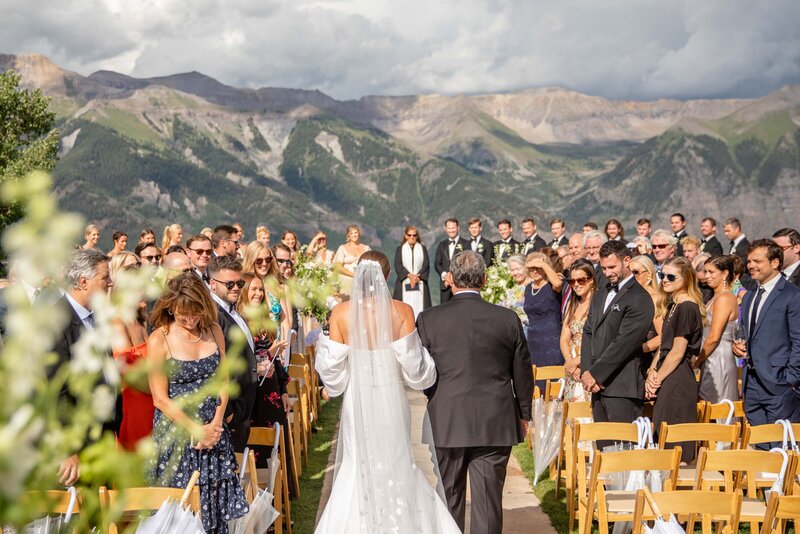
(615, 307)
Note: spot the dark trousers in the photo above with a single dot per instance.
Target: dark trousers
(763, 408)
(487, 475)
(614, 410)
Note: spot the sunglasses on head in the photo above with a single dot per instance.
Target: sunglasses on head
(230, 285)
(579, 281)
(668, 277)
(263, 261)
(660, 246)
(201, 251)
(157, 257)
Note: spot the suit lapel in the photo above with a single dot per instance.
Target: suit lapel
(774, 294)
(624, 289)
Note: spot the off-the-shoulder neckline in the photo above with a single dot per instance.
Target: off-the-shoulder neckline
(404, 338)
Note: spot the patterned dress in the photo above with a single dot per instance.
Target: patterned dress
(221, 495)
(575, 391)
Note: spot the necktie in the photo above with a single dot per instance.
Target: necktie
(612, 287)
(754, 313)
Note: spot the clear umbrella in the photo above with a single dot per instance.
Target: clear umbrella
(174, 517)
(54, 524)
(258, 519)
(547, 421)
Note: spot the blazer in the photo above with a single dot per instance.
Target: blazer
(242, 406)
(402, 273)
(555, 243)
(526, 247)
(774, 346)
(485, 249)
(442, 261)
(512, 247)
(484, 384)
(611, 348)
(741, 249)
(712, 246)
(795, 278)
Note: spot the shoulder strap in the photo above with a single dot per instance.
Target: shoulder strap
(164, 333)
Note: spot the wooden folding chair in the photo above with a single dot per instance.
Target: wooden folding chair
(780, 509)
(761, 434)
(571, 411)
(300, 373)
(581, 467)
(709, 505)
(309, 376)
(295, 417)
(56, 502)
(721, 411)
(740, 470)
(709, 435)
(116, 502)
(551, 373)
(269, 437)
(247, 473)
(618, 505)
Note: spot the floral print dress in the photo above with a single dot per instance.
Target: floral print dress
(221, 495)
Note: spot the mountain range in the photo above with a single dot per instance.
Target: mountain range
(139, 152)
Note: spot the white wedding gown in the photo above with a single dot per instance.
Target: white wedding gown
(377, 486)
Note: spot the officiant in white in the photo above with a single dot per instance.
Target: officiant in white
(412, 266)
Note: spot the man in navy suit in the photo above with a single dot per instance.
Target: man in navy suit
(771, 317)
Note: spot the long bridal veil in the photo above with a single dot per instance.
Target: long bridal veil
(392, 491)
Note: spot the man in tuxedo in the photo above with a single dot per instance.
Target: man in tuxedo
(200, 251)
(532, 241)
(589, 227)
(558, 229)
(225, 241)
(678, 224)
(771, 316)
(709, 243)
(789, 241)
(477, 243)
(445, 251)
(506, 245)
(148, 253)
(481, 401)
(620, 315)
(85, 275)
(739, 243)
(643, 227)
(226, 286)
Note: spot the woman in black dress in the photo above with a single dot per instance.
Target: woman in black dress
(272, 399)
(670, 378)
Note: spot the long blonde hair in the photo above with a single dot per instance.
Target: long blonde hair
(168, 231)
(647, 263)
(690, 285)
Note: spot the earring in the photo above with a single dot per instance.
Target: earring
(724, 285)
(170, 313)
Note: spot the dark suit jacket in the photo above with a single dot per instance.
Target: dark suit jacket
(484, 383)
(242, 405)
(795, 278)
(537, 245)
(512, 247)
(741, 249)
(442, 261)
(611, 349)
(678, 246)
(555, 243)
(774, 346)
(712, 246)
(485, 249)
(402, 273)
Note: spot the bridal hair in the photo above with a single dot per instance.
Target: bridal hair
(378, 257)
(690, 286)
(185, 294)
(467, 269)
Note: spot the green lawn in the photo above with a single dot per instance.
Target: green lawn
(545, 491)
(304, 509)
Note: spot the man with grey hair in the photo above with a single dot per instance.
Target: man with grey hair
(481, 402)
(85, 276)
(592, 241)
(664, 247)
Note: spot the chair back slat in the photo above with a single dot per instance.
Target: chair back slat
(707, 435)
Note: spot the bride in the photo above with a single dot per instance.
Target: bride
(373, 347)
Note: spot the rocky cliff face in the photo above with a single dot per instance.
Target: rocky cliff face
(187, 147)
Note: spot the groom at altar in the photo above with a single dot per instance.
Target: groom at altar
(445, 251)
(481, 401)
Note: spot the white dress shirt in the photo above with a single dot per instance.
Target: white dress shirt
(612, 293)
(789, 271)
(83, 314)
(768, 287)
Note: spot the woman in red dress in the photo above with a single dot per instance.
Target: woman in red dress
(130, 351)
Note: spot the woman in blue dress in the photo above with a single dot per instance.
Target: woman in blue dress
(185, 352)
(542, 305)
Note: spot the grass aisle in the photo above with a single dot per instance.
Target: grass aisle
(304, 510)
(545, 490)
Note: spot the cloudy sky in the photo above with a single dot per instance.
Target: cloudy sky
(643, 49)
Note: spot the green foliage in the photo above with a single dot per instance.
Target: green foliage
(203, 148)
(750, 153)
(783, 156)
(258, 140)
(312, 286)
(28, 139)
(498, 282)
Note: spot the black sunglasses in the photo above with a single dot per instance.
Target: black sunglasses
(286, 261)
(157, 257)
(668, 277)
(412, 235)
(230, 285)
(263, 261)
(201, 251)
(660, 246)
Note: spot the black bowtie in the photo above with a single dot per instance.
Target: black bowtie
(612, 287)
(232, 307)
(474, 239)
(733, 243)
(206, 278)
(452, 241)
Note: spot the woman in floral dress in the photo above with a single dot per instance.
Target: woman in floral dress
(581, 279)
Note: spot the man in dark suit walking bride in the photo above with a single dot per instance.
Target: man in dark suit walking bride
(481, 401)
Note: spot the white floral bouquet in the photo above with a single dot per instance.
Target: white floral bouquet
(498, 282)
(312, 286)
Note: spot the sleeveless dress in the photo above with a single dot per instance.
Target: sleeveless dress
(137, 406)
(574, 388)
(349, 262)
(221, 495)
(543, 308)
(719, 376)
(396, 496)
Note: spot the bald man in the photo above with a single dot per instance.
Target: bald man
(176, 263)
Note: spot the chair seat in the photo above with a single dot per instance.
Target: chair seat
(687, 475)
(619, 502)
(753, 509)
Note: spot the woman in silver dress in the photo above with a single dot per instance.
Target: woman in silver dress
(719, 379)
